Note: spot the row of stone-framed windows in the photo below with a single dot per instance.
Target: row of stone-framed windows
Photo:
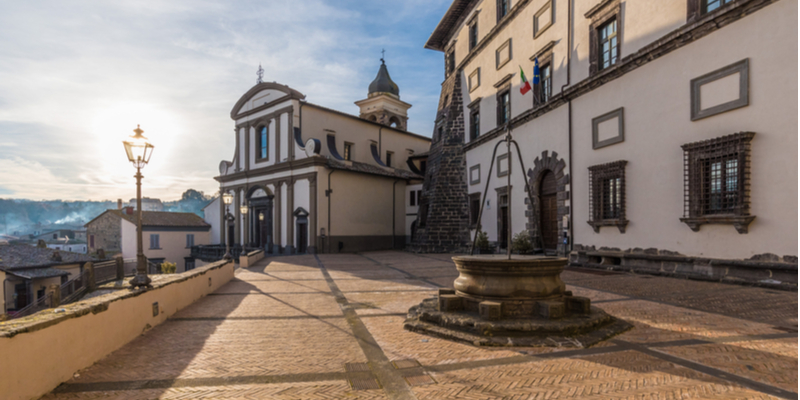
(716, 181)
(262, 143)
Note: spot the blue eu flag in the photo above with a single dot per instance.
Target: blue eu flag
(536, 71)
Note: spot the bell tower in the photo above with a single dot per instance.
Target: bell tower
(383, 104)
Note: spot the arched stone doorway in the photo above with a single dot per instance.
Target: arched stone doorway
(548, 210)
(548, 182)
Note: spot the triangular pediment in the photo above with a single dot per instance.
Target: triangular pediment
(262, 95)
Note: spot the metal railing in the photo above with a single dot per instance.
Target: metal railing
(215, 252)
(42, 303)
(73, 289)
(105, 272)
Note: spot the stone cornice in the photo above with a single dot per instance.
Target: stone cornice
(284, 166)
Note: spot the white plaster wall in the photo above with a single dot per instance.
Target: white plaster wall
(240, 157)
(211, 216)
(546, 133)
(302, 198)
(656, 98)
(261, 98)
(520, 30)
(128, 238)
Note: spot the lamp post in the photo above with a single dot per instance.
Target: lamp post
(227, 198)
(139, 151)
(243, 209)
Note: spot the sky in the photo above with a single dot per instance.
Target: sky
(76, 77)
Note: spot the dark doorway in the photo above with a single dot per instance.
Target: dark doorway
(231, 239)
(548, 210)
(503, 226)
(302, 237)
(21, 290)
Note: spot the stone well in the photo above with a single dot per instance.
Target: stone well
(519, 301)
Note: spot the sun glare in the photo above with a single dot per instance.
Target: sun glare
(113, 124)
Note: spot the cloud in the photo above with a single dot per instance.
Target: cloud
(77, 77)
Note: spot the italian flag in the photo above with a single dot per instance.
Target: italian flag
(526, 86)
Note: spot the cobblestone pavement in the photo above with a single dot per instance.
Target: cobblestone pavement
(330, 327)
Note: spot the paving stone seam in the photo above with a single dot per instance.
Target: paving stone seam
(727, 376)
(410, 275)
(201, 382)
(257, 318)
(394, 385)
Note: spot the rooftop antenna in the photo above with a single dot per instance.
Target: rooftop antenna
(260, 74)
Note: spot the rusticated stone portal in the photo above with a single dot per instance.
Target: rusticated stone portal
(512, 302)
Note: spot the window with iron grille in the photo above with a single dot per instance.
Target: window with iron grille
(502, 9)
(717, 182)
(607, 195)
(711, 5)
(503, 107)
(474, 209)
(609, 49)
(474, 123)
(544, 87)
(154, 242)
(473, 34)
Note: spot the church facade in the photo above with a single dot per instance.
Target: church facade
(660, 133)
(306, 178)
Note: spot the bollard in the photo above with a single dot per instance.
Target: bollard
(120, 268)
(55, 295)
(88, 273)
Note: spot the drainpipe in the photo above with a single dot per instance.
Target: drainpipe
(394, 214)
(569, 122)
(328, 195)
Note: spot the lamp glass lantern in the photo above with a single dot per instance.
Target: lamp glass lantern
(138, 148)
(227, 198)
(243, 209)
(261, 216)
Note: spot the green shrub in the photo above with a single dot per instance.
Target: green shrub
(521, 243)
(483, 241)
(168, 267)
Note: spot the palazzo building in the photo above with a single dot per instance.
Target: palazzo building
(315, 179)
(666, 128)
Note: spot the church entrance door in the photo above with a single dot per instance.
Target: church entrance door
(548, 213)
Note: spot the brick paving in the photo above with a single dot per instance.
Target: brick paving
(302, 327)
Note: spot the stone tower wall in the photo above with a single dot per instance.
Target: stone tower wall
(443, 221)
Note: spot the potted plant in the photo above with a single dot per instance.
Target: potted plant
(521, 243)
(168, 267)
(482, 245)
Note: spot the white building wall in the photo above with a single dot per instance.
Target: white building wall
(657, 100)
(285, 139)
(211, 216)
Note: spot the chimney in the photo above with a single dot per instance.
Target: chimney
(129, 210)
(119, 204)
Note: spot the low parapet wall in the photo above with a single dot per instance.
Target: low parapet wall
(766, 270)
(39, 352)
(247, 260)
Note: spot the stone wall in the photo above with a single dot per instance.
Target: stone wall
(767, 270)
(107, 233)
(443, 222)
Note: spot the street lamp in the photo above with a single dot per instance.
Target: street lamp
(227, 198)
(139, 151)
(243, 209)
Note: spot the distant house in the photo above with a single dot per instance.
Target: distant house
(26, 272)
(167, 236)
(54, 234)
(148, 204)
(211, 216)
(67, 244)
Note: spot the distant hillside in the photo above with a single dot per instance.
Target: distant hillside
(25, 216)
